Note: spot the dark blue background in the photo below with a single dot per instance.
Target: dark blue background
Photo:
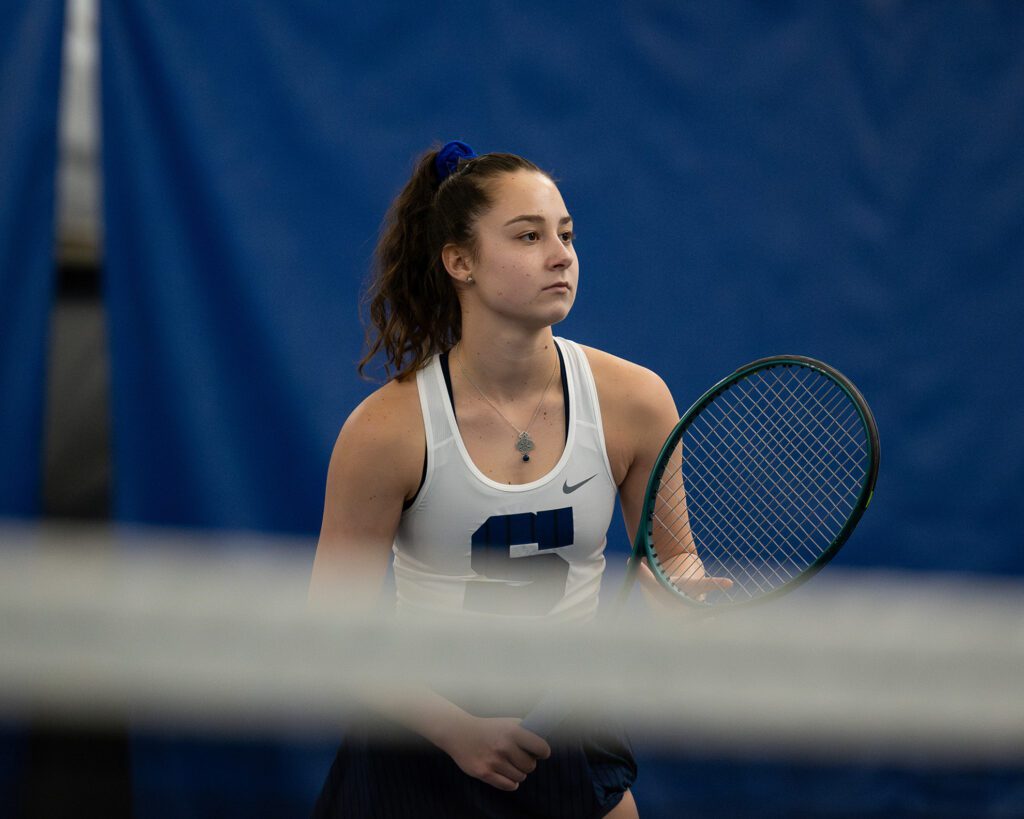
(842, 181)
(30, 49)
(30, 38)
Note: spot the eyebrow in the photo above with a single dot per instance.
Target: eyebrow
(535, 219)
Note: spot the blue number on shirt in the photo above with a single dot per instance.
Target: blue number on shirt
(534, 581)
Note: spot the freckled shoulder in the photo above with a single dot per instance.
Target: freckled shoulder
(625, 386)
(635, 405)
(386, 429)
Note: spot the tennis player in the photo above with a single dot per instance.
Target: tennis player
(488, 465)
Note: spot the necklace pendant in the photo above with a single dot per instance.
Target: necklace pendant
(525, 443)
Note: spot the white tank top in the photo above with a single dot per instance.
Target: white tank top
(469, 545)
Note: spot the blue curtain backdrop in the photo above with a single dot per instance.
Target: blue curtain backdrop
(839, 180)
(30, 61)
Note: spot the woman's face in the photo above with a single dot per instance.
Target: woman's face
(524, 265)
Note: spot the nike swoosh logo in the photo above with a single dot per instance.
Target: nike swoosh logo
(567, 489)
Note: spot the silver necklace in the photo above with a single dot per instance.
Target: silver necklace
(524, 443)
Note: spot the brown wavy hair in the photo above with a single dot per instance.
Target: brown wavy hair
(413, 309)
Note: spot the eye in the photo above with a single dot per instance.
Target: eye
(568, 236)
(532, 236)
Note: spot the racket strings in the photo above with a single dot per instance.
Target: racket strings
(761, 482)
(773, 446)
(803, 472)
(749, 450)
(735, 492)
(725, 531)
(697, 569)
(733, 536)
(792, 426)
(840, 424)
(820, 472)
(806, 474)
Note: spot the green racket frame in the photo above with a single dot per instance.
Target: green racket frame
(642, 545)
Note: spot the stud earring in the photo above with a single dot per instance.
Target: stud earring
(470, 279)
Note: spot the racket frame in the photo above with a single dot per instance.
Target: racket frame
(643, 542)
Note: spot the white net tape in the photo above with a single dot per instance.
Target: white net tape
(217, 637)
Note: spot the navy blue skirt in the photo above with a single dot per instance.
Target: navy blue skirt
(404, 775)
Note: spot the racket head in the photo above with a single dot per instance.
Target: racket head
(764, 478)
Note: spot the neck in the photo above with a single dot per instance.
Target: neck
(507, 365)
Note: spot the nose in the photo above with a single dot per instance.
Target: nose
(561, 254)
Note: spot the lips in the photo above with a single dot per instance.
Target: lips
(558, 286)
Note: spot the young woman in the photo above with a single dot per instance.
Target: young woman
(491, 434)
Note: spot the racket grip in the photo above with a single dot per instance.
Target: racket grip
(546, 716)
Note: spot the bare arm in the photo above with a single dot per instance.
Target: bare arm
(639, 413)
(376, 465)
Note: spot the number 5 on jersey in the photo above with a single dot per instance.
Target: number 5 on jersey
(517, 574)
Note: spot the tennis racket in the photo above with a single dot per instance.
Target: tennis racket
(757, 488)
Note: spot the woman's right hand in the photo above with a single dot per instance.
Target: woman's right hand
(495, 750)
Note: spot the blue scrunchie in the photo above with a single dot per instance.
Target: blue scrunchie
(447, 160)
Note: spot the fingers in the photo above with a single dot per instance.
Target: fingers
(520, 757)
(646, 575)
(707, 583)
(507, 772)
(532, 744)
(501, 782)
(521, 761)
(512, 768)
(512, 759)
(687, 576)
(501, 772)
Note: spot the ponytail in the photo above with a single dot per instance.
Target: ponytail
(412, 305)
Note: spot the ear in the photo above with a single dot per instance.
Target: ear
(457, 262)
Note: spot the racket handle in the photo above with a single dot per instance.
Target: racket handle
(546, 716)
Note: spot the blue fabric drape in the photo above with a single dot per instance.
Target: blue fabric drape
(843, 181)
(30, 61)
(230, 320)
